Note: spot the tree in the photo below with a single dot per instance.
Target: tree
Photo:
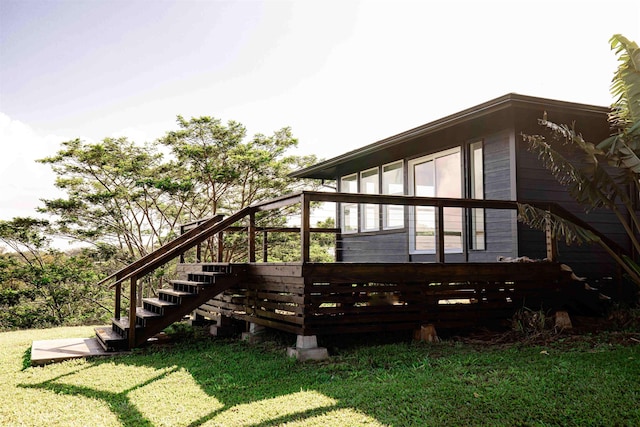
(285, 246)
(134, 196)
(608, 172)
(40, 286)
(117, 192)
(229, 172)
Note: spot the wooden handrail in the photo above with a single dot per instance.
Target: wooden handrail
(316, 196)
(193, 237)
(124, 272)
(166, 253)
(214, 225)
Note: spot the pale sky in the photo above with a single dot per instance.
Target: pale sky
(341, 74)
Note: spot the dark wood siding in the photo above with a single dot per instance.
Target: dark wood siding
(501, 239)
(500, 229)
(387, 247)
(534, 182)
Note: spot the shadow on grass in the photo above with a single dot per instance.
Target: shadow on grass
(257, 383)
(227, 382)
(119, 403)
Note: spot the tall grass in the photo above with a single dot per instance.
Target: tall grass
(206, 382)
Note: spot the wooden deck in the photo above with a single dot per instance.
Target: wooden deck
(338, 298)
(309, 298)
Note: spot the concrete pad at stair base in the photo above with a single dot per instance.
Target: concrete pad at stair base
(51, 351)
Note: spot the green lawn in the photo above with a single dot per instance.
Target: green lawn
(210, 382)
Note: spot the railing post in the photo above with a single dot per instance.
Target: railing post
(305, 227)
(182, 253)
(220, 246)
(252, 236)
(265, 245)
(118, 301)
(440, 233)
(132, 312)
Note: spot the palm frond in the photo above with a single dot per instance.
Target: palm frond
(540, 219)
(587, 181)
(625, 86)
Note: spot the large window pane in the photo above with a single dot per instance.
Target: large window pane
(393, 183)
(425, 223)
(438, 175)
(369, 184)
(349, 184)
(476, 163)
(449, 184)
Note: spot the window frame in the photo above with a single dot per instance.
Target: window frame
(386, 208)
(477, 216)
(345, 206)
(365, 209)
(411, 192)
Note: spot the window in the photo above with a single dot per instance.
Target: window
(476, 186)
(349, 184)
(369, 184)
(437, 175)
(393, 184)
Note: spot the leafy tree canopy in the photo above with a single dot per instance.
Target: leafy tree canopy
(134, 196)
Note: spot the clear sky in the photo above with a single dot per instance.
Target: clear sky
(342, 74)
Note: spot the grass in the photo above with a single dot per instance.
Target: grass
(206, 382)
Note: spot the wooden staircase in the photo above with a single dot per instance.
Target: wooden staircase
(171, 305)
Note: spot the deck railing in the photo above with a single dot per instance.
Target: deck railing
(194, 234)
(308, 198)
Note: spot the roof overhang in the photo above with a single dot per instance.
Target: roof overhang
(328, 168)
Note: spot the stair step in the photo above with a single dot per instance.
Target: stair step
(122, 323)
(188, 286)
(175, 293)
(158, 302)
(187, 282)
(145, 317)
(174, 296)
(109, 339)
(142, 313)
(206, 277)
(157, 305)
(221, 268)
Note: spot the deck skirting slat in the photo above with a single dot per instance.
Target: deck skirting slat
(345, 297)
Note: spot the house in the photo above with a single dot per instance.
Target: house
(477, 153)
(425, 220)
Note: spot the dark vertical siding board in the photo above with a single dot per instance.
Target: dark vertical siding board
(388, 247)
(500, 233)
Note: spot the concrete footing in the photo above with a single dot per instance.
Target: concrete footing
(255, 333)
(307, 349)
(223, 327)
